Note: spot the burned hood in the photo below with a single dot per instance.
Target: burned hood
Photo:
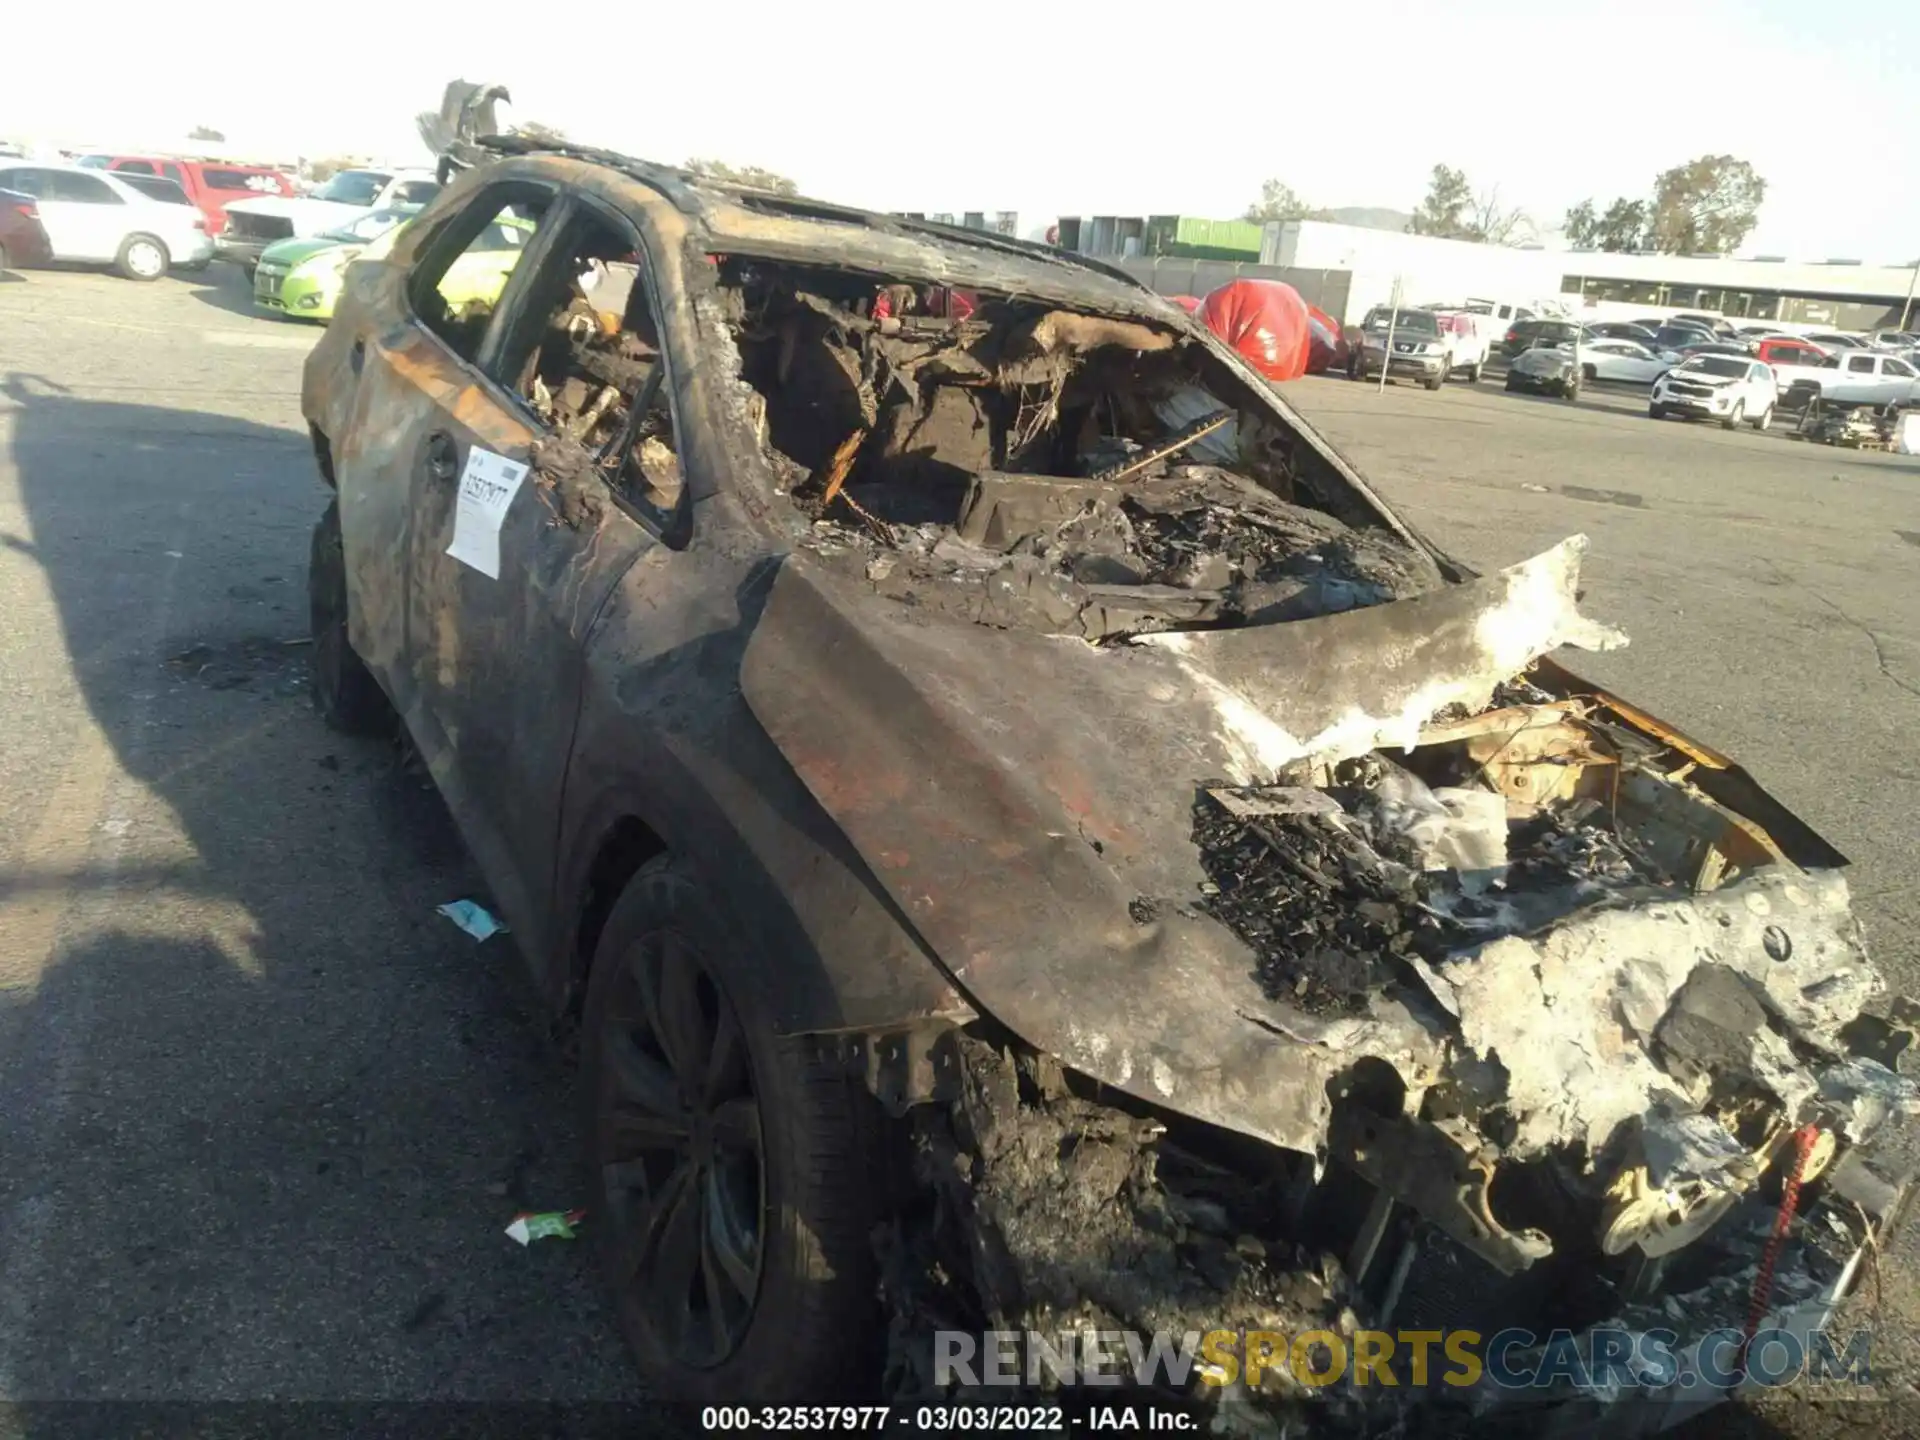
(1028, 801)
(1192, 867)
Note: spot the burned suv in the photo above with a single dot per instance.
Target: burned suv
(1028, 837)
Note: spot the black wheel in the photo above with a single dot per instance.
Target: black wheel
(1437, 381)
(1734, 416)
(1587, 372)
(142, 257)
(1473, 373)
(345, 693)
(732, 1189)
(1511, 383)
(1656, 412)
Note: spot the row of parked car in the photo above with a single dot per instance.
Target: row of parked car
(147, 214)
(1882, 368)
(1693, 365)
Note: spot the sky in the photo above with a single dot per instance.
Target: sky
(1054, 108)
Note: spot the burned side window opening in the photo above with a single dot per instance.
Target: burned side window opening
(1025, 466)
(458, 283)
(593, 373)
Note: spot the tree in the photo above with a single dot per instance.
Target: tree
(1623, 227)
(1494, 224)
(751, 176)
(1706, 206)
(206, 132)
(1280, 201)
(1442, 212)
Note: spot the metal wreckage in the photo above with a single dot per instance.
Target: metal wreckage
(1341, 959)
(1322, 952)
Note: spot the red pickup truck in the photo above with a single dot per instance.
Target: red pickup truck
(210, 184)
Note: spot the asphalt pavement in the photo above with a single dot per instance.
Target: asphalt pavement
(266, 1114)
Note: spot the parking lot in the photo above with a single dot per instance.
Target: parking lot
(268, 1113)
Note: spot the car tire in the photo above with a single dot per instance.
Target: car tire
(772, 1153)
(1512, 384)
(1588, 373)
(1656, 412)
(344, 691)
(1437, 381)
(142, 257)
(1764, 419)
(1734, 416)
(1474, 371)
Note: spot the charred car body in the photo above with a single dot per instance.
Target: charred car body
(1027, 834)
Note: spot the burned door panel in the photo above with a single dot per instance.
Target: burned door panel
(374, 459)
(499, 658)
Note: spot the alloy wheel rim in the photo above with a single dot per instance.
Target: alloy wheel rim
(679, 1145)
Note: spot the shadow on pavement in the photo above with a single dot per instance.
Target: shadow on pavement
(224, 287)
(266, 1114)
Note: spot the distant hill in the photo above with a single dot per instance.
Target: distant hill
(1371, 217)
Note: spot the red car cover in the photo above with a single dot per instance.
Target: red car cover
(1188, 303)
(1326, 346)
(1265, 320)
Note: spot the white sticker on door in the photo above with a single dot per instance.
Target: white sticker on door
(487, 488)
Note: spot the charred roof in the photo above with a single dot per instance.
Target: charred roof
(734, 217)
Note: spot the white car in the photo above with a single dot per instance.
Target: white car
(1720, 387)
(94, 217)
(1625, 361)
(252, 225)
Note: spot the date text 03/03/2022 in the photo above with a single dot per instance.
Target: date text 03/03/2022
(943, 1419)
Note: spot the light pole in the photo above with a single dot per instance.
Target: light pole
(1393, 318)
(1912, 277)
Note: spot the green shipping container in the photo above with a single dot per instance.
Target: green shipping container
(1231, 237)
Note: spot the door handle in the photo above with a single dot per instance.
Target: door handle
(443, 459)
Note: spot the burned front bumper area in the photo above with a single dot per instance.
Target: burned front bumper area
(1569, 1004)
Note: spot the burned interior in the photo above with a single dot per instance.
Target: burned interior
(593, 373)
(1022, 465)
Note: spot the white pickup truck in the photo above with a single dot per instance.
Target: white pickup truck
(252, 225)
(1855, 377)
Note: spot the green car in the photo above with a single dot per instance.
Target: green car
(302, 277)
